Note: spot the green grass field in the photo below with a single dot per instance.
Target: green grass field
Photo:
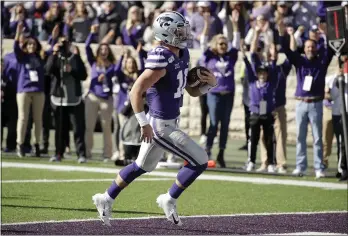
(68, 195)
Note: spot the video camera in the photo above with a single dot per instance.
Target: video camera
(64, 48)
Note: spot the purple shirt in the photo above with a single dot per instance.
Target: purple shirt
(282, 71)
(30, 68)
(136, 33)
(223, 69)
(100, 89)
(125, 82)
(10, 67)
(257, 91)
(316, 68)
(165, 96)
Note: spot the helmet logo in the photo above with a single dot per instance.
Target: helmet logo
(163, 21)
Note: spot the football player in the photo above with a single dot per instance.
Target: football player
(164, 81)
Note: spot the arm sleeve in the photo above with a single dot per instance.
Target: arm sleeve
(293, 57)
(156, 60)
(250, 70)
(89, 52)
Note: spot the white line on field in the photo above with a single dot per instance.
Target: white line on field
(254, 180)
(306, 233)
(73, 180)
(195, 216)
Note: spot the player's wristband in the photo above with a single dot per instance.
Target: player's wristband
(205, 88)
(142, 120)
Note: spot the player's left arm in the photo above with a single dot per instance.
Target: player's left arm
(205, 77)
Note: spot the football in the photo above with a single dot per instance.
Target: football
(192, 77)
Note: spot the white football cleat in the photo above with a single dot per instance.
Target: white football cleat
(168, 204)
(104, 207)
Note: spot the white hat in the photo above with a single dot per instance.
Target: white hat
(344, 3)
(203, 4)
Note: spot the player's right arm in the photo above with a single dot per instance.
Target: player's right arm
(145, 81)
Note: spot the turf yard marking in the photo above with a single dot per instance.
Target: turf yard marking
(195, 216)
(254, 180)
(73, 180)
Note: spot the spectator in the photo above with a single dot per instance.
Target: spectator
(132, 29)
(261, 8)
(197, 23)
(246, 95)
(187, 10)
(53, 17)
(225, 15)
(20, 15)
(283, 12)
(343, 158)
(304, 14)
(78, 24)
(245, 101)
(67, 70)
(37, 13)
(280, 125)
(5, 20)
(46, 116)
(9, 103)
(127, 72)
(261, 90)
(262, 83)
(266, 35)
(109, 23)
(148, 36)
(332, 96)
(328, 132)
(30, 86)
(99, 98)
(311, 70)
(220, 99)
(169, 6)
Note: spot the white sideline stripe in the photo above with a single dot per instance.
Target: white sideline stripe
(73, 180)
(255, 180)
(162, 217)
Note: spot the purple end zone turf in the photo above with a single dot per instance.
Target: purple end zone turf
(267, 224)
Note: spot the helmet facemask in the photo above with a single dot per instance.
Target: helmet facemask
(182, 36)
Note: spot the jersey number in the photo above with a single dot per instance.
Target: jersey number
(182, 83)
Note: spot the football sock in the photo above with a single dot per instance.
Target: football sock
(186, 176)
(114, 190)
(128, 174)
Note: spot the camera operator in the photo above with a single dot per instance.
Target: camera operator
(67, 70)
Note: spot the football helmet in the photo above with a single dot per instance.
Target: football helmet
(172, 28)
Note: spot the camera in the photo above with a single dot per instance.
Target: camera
(64, 48)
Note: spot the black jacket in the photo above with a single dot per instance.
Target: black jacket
(78, 72)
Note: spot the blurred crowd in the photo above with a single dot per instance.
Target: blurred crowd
(34, 78)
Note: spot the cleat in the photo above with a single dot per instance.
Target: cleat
(104, 208)
(168, 204)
